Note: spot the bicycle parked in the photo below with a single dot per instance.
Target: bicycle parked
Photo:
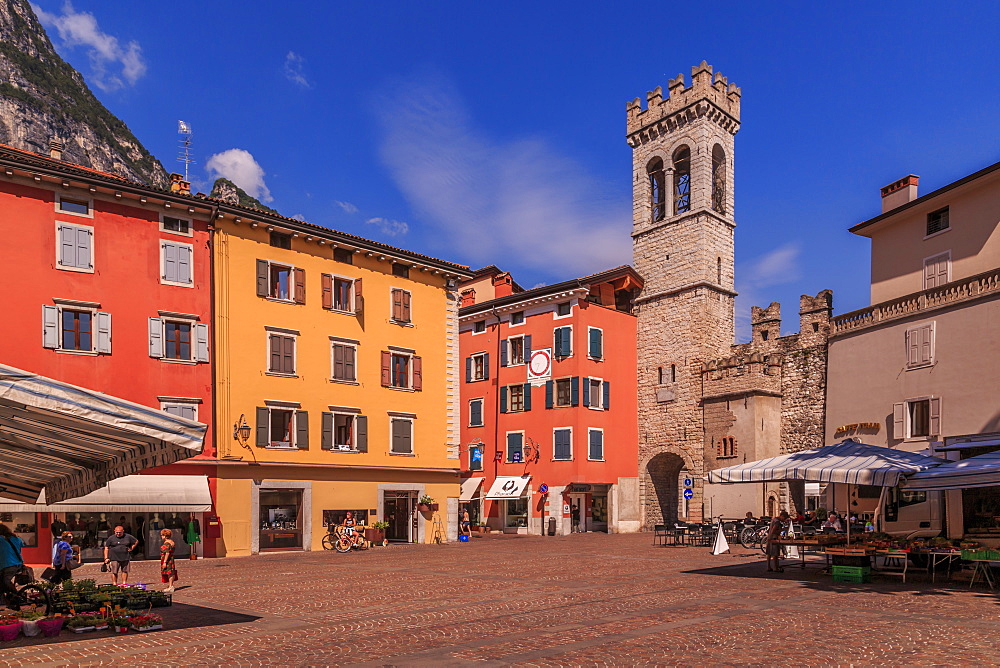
(344, 539)
(29, 595)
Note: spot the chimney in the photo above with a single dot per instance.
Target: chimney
(899, 192)
(55, 148)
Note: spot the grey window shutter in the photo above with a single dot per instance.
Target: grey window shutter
(361, 425)
(476, 413)
(486, 366)
(327, 438)
(302, 430)
(607, 395)
(548, 393)
(574, 392)
(187, 412)
(596, 344)
(262, 276)
(527, 347)
(468, 369)
(586, 391)
(104, 332)
(67, 246)
(263, 427)
(934, 417)
(84, 252)
(170, 262)
(408, 433)
(899, 421)
(503, 399)
(50, 326)
(527, 396)
(596, 444)
(183, 264)
(155, 337)
(201, 342)
(394, 445)
(503, 351)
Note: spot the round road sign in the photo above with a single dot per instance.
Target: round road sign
(688, 494)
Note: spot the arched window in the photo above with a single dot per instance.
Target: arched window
(682, 180)
(657, 189)
(718, 179)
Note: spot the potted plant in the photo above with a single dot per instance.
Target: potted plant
(10, 626)
(119, 619)
(426, 504)
(147, 622)
(376, 532)
(51, 626)
(29, 622)
(81, 623)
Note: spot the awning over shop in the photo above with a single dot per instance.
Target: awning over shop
(847, 462)
(979, 471)
(511, 487)
(71, 440)
(967, 445)
(131, 494)
(470, 489)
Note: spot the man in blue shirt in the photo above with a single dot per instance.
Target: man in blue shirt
(10, 558)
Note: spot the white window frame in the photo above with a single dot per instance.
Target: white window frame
(352, 343)
(572, 351)
(476, 324)
(914, 330)
(589, 431)
(292, 334)
(181, 403)
(351, 310)
(405, 323)
(60, 211)
(482, 415)
(354, 430)
(483, 377)
(524, 319)
(163, 263)
(193, 343)
(510, 351)
(944, 254)
(291, 281)
(83, 307)
(562, 459)
(65, 267)
(292, 427)
(409, 354)
(601, 330)
(506, 452)
(555, 310)
(404, 418)
(510, 397)
(190, 222)
(907, 421)
(590, 391)
(555, 392)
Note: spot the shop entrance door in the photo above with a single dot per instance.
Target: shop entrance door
(399, 513)
(578, 512)
(599, 512)
(280, 519)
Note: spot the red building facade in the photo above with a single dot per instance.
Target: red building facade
(109, 288)
(549, 426)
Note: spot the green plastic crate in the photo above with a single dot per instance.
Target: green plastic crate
(852, 571)
(856, 579)
(989, 555)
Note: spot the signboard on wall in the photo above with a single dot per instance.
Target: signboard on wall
(540, 366)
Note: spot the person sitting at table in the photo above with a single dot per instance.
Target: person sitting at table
(833, 522)
(810, 519)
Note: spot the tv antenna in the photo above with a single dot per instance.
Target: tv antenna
(184, 130)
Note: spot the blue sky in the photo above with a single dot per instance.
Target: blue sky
(494, 132)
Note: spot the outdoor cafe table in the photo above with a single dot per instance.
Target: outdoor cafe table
(937, 557)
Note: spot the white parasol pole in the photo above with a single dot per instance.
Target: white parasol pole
(878, 508)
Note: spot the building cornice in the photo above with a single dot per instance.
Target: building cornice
(561, 296)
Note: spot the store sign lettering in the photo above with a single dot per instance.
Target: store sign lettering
(859, 426)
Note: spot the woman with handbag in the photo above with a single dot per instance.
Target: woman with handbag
(11, 562)
(63, 559)
(168, 567)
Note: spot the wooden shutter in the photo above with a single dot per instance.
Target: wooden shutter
(288, 354)
(103, 332)
(406, 306)
(899, 421)
(527, 347)
(359, 299)
(607, 395)
(201, 342)
(300, 285)
(475, 413)
(486, 366)
(338, 361)
(361, 432)
(183, 264)
(934, 421)
(503, 399)
(942, 269)
(50, 326)
(527, 396)
(326, 283)
(155, 337)
(930, 274)
(418, 379)
(263, 427)
(350, 363)
(557, 341)
(468, 369)
(326, 442)
(596, 444)
(386, 369)
(170, 262)
(397, 304)
(574, 391)
(262, 278)
(586, 392)
(67, 246)
(596, 343)
(926, 344)
(912, 347)
(548, 393)
(302, 430)
(274, 343)
(504, 352)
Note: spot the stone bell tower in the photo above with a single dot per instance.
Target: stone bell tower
(683, 228)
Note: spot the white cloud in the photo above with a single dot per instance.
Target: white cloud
(239, 167)
(492, 201)
(346, 206)
(113, 65)
(299, 216)
(389, 227)
(294, 70)
(779, 266)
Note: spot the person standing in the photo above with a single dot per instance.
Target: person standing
(11, 562)
(168, 569)
(466, 523)
(63, 558)
(575, 513)
(773, 548)
(118, 554)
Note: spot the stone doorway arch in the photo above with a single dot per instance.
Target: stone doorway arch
(663, 488)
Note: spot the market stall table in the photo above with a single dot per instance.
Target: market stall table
(813, 545)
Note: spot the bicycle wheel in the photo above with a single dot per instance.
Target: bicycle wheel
(342, 544)
(746, 537)
(329, 540)
(363, 544)
(36, 596)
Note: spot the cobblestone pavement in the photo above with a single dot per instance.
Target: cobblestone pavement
(585, 599)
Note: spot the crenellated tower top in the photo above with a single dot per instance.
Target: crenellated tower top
(708, 95)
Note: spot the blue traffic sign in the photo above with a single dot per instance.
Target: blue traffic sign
(543, 489)
(688, 494)
(689, 482)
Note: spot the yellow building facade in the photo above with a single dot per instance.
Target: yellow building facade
(336, 383)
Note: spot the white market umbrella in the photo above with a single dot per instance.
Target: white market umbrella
(979, 471)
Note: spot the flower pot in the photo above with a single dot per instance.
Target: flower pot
(434, 506)
(10, 631)
(30, 628)
(82, 629)
(143, 629)
(120, 629)
(101, 627)
(51, 627)
(423, 507)
(375, 536)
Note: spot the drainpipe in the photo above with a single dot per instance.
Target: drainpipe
(496, 422)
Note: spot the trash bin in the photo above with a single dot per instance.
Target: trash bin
(552, 526)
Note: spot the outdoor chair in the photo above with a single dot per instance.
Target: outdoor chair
(680, 533)
(660, 534)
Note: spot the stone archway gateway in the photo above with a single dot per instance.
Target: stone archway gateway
(663, 488)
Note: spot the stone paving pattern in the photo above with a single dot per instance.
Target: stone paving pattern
(584, 599)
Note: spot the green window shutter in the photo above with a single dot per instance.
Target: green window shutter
(527, 396)
(361, 424)
(557, 341)
(586, 391)
(327, 441)
(574, 391)
(263, 428)
(503, 351)
(486, 366)
(548, 393)
(596, 343)
(302, 430)
(607, 395)
(503, 399)
(476, 413)
(596, 444)
(527, 347)
(468, 369)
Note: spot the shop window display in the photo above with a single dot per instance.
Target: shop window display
(280, 526)
(517, 513)
(90, 530)
(23, 525)
(334, 517)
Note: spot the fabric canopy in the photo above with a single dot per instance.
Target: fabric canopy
(71, 440)
(508, 487)
(131, 494)
(470, 489)
(979, 471)
(846, 462)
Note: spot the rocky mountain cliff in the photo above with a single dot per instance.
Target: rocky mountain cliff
(42, 96)
(228, 191)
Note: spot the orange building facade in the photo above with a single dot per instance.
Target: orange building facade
(549, 432)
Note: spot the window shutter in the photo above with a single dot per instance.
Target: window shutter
(103, 332)
(50, 326)
(548, 393)
(912, 347)
(67, 246)
(899, 421)
(596, 444)
(527, 347)
(326, 281)
(503, 399)
(361, 429)
(183, 264)
(586, 391)
(418, 379)
(557, 341)
(397, 304)
(930, 274)
(596, 343)
(201, 342)
(262, 275)
(942, 270)
(155, 337)
(263, 427)
(300, 286)
(302, 430)
(327, 438)
(926, 348)
(574, 391)
(359, 299)
(503, 351)
(274, 345)
(468, 369)
(386, 368)
(350, 363)
(486, 366)
(338, 361)
(476, 413)
(567, 341)
(287, 354)
(607, 395)
(527, 396)
(169, 262)
(935, 417)
(406, 306)
(513, 445)
(84, 238)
